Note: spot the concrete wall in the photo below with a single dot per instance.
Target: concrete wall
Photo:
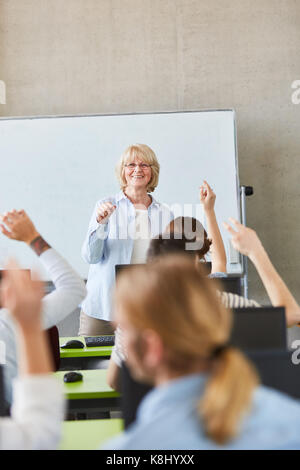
(110, 56)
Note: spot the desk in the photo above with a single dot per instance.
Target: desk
(91, 394)
(82, 358)
(89, 434)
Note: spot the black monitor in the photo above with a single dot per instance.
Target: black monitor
(132, 393)
(278, 369)
(230, 283)
(259, 328)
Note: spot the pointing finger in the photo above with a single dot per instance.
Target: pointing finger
(207, 185)
(235, 222)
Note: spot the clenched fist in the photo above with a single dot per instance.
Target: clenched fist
(104, 212)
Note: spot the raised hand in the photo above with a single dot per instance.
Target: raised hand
(207, 196)
(18, 226)
(104, 212)
(244, 239)
(22, 296)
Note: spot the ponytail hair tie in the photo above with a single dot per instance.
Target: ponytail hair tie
(219, 350)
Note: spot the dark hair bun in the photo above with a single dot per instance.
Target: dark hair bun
(194, 241)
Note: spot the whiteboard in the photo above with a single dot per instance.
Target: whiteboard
(56, 168)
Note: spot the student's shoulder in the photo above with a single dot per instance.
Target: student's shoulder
(128, 440)
(274, 419)
(274, 401)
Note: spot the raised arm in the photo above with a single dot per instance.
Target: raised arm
(93, 246)
(246, 241)
(218, 254)
(38, 405)
(69, 287)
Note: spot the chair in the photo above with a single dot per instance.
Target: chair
(53, 338)
(132, 393)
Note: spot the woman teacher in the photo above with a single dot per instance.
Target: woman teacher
(120, 231)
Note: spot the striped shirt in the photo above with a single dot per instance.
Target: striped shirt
(230, 300)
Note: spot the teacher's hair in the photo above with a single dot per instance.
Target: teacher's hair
(175, 299)
(144, 153)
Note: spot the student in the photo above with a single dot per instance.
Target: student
(69, 288)
(246, 241)
(38, 403)
(206, 394)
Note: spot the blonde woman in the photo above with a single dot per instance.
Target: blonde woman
(119, 233)
(206, 393)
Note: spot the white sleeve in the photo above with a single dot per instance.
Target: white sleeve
(118, 354)
(37, 415)
(69, 289)
(93, 247)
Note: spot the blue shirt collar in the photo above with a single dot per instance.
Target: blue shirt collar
(121, 196)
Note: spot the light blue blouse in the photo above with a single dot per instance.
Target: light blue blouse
(107, 245)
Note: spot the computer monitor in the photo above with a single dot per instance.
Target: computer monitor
(259, 328)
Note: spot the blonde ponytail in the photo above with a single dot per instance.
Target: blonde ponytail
(227, 395)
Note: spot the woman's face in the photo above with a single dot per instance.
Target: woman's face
(137, 173)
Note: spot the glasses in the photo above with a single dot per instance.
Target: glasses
(133, 166)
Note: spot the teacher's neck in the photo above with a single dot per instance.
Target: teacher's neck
(138, 197)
